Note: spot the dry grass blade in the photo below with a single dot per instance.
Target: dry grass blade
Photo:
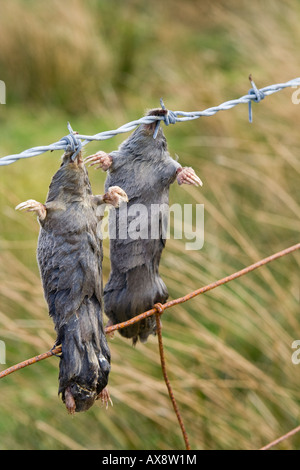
(59, 436)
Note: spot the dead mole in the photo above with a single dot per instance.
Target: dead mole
(69, 256)
(143, 167)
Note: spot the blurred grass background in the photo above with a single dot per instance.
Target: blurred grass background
(100, 64)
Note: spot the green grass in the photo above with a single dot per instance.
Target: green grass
(99, 65)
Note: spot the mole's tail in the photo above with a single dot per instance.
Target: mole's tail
(85, 360)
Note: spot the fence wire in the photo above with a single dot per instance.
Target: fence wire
(74, 142)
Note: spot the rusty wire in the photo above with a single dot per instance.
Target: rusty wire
(30, 361)
(207, 288)
(158, 310)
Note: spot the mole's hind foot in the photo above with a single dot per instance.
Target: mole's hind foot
(102, 159)
(105, 397)
(187, 175)
(33, 206)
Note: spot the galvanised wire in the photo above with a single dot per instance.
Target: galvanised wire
(74, 142)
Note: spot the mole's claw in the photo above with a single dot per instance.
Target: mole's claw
(197, 179)
(119, 191)
(102, 159)
(188, 176)
(189, 180)
(89, 159)
(194, 179)
(33, 206)
(105, 397)
(24, 205)
(114, 196)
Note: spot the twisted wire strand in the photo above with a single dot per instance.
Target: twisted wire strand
(80, 140)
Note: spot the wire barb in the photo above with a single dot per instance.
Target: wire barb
(259, 95)
(172, 117)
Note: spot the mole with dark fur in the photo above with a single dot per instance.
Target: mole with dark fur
(143, 167)
(69, 255)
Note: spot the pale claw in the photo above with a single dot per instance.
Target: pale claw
(119, 191)
(33, 206)
(188, 176)
(102, 159)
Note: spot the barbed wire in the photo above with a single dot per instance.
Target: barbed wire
(74, 141)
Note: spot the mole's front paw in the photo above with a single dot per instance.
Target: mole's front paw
(114, 196)
(187, 175)
(102, 159)
(33, 206)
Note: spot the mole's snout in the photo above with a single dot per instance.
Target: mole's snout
(77, 159)
(153, 127)
(78, 399)
(73, 157)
